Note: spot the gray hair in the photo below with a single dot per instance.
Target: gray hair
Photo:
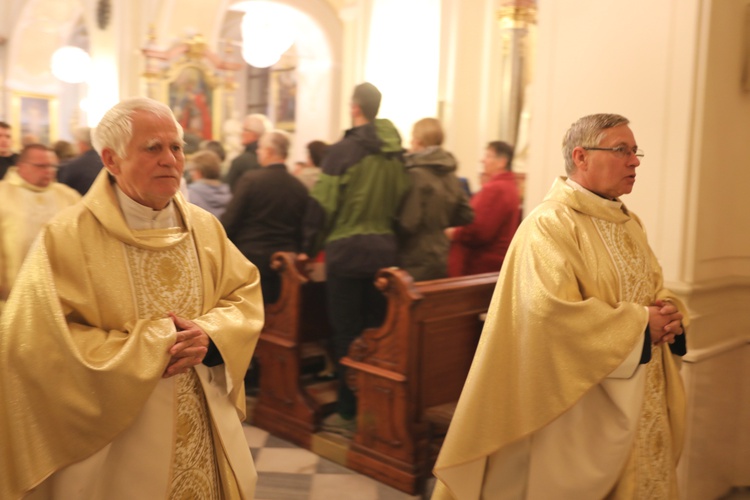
(82, 134)
(587, 132)
(257, 123)
(116, 126)
(278, 140)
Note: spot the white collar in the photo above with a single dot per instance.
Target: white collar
(139, 217)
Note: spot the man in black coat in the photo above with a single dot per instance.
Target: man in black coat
(253, 126)
(80, 172)
(266, 211)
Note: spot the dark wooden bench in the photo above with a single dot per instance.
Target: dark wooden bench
(291, 402)
(412, 366)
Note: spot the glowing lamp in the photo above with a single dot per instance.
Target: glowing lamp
(71, 64)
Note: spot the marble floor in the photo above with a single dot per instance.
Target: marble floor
(287, 472)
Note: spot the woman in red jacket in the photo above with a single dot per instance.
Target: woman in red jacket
(480, 246)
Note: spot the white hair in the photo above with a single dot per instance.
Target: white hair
(257, 123)
(278, 140)
(116, 126)
(82, 134)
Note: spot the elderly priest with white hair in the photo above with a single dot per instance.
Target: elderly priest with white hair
(126, 338)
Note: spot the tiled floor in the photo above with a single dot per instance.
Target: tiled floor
(286, 472)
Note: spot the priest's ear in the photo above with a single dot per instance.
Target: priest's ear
(580, 158)
(111, 161)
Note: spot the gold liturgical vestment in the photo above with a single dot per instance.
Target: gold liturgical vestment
(556, 404)
(83, 344)
(24, 209)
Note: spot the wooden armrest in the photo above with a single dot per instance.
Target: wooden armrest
(440, 416)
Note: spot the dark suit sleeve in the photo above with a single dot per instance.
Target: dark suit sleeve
(213, 356)
(231, 219)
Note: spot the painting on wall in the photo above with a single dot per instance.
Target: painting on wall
(191, 98)
(34, 117)
(284, 98)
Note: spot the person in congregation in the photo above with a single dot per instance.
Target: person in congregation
(64, 150)
(217, 147)
(149, 318)
(480, 247)
(7, 157)
(309, 171)
(80, 172)
(581, 348)
(206, 189)
(351, 216)
(436, 201)
(30, 198)
(266, 212)
(253, 127)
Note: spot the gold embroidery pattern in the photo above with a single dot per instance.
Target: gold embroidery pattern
(173, 281)
(195, 472)
(168, 280)
(630, 261)
(649, 470)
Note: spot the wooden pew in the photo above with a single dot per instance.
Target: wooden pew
(290, 403)
(416, 361)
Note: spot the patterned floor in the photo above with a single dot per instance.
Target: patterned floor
(286, 472)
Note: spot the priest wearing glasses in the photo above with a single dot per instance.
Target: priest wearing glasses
(575, 390)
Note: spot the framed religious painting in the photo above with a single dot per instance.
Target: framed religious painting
(33, 116)
(191, 91)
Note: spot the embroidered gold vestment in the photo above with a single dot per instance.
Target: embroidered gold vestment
(546, 411)
(84, 341)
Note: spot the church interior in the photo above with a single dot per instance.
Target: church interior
(520, 71)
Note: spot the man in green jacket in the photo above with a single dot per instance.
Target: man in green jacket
(352, 217)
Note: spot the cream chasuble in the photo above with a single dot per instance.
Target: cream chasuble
(556, 404)
(24, 209)
(86, 413)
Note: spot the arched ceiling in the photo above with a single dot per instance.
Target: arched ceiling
(42, 27)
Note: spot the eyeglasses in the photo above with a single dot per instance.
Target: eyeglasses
(43, 165)
(621, 151)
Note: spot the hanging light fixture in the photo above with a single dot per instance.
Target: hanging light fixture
(259, 58)
(71, 64)
(268, 30)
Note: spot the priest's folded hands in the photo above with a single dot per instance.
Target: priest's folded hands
(664, 321)
(189, 349)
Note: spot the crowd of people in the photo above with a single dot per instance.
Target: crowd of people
(134, 283)
(361, 204)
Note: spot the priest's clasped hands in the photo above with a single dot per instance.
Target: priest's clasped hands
(189, 349)
(664, 321)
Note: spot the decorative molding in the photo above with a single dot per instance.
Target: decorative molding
(690, 289)
(702, 354)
